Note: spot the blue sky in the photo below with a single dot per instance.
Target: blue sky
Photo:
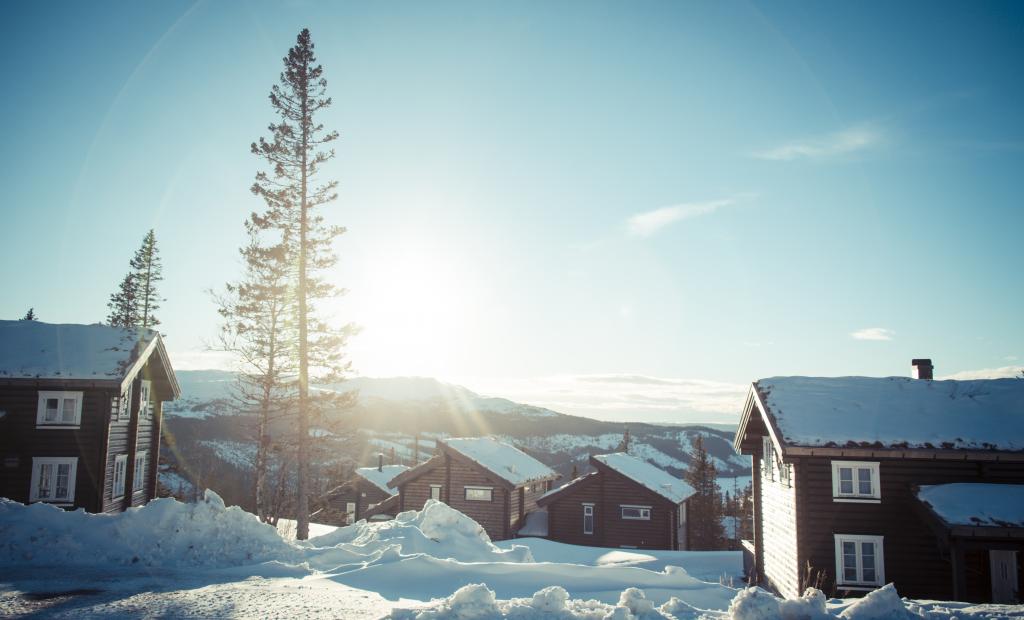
(627, 210)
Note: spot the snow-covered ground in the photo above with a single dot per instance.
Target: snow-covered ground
(170, 559)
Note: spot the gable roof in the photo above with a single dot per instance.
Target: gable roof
(976, 504)
(649, 476)
(572, 485)
(70, 352)
(501, 459)
(380, 477)
(888, 413)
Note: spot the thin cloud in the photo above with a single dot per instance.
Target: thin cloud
(873, 333)
(841, 142)
(647, 223)
(987, 373)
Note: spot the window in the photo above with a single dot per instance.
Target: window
(350, 512)
(145, 399)
(435, 492)
(588, 518)
(120, 464)
(139, 475)
(855, 481)
(59, 409)
(767, 458)
(121, 406)
(859, 560)
(636, 513)
(53, 479)
(478, 494)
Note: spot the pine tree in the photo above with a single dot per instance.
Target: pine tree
(295, 152)
(124, 304)
(148, 271)
(575, 472)
(624, 444)
(30, 315)
(705, 506)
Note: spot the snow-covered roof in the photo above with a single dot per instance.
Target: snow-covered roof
(507, 462)
(381, 477)
(653, 478)
(896, 412)
(976, 503)
(565, 487)
(37, 350)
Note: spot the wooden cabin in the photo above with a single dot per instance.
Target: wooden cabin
(492, 482)
(624, 502)
(364, 491)
(851, 484)
(80, 414)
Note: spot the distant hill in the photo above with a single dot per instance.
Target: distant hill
(390, 412)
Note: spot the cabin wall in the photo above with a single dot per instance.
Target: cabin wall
(358, 491)
(496, 515)
(912, 558)
(20, 441)
(778, 521)
(565, 514)
(416, 492)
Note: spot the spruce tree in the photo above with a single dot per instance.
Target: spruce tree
(148, 271)
(705, 506)
(30, 315)
(295, 151)
(124, 305)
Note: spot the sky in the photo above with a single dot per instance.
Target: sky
(622, 210)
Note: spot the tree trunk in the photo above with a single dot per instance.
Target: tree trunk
(302, 499)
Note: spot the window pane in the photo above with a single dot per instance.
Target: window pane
(51, 409)
(846, 487)
(45, 471)
(69, 410)
(864, 480)
(63, 475)
(869, 575)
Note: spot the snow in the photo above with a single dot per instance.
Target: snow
(288, 528)
(381, 477)
(897, 412)
(503, 460)
(654, 479)
(976, 503)
(559, 489)
(37, 350)
(536, 524)
(239, 454)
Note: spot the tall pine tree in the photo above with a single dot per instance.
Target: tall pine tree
(124, 305)
(295, 151)
(705, 506)
(148, 270)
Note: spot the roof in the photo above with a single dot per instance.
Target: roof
(977, 504)
(572, 484)
(653, 478)
(501, 459)
(891, 412)
(70, 352)
(380, 477)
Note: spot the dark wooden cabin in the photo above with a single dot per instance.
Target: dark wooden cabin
(364, 491)
(492, 482)
(842, 472)
(624, 502)
(80, 414)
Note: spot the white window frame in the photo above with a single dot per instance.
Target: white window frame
(875, 497)
(54, 461)
(437, 488)
(767, 458)
(643, 512)
(146, 399)
(489, 490)
(41, 421)
(588, 511)
(860, 584)
(120, 473)
(139, 471)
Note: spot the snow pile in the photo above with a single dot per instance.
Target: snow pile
(976, 503)
(163, 533)
(897, 412)
(881, 604)
(438, 530)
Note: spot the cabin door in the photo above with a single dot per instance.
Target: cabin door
(1003, 566)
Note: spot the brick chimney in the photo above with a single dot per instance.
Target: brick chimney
(380, 456)
(922, 368)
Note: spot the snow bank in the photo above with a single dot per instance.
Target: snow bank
(163, 533)
(881, 604)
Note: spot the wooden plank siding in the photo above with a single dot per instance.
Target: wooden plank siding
(608, 490)
(357, 490)
(494, 515)
(778, 528)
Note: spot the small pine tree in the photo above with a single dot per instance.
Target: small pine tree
(575, 472)
(30, 315)
(124, 305)
(624, 444)
(705, 506)
(148, 271)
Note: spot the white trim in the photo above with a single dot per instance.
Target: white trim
(641, 510)
(439, 488)
(54, 461)
(468, 488)
(851, 500)
(855, 467)
(857, 540)
(588, 511)
(118, 483)
(145, 399)
(61, 397)
(139, 481)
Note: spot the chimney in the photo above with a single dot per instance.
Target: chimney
(922, 369)
(380, 462)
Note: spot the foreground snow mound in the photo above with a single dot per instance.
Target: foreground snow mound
(438, 530)
(881, 604)
(163, 533)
